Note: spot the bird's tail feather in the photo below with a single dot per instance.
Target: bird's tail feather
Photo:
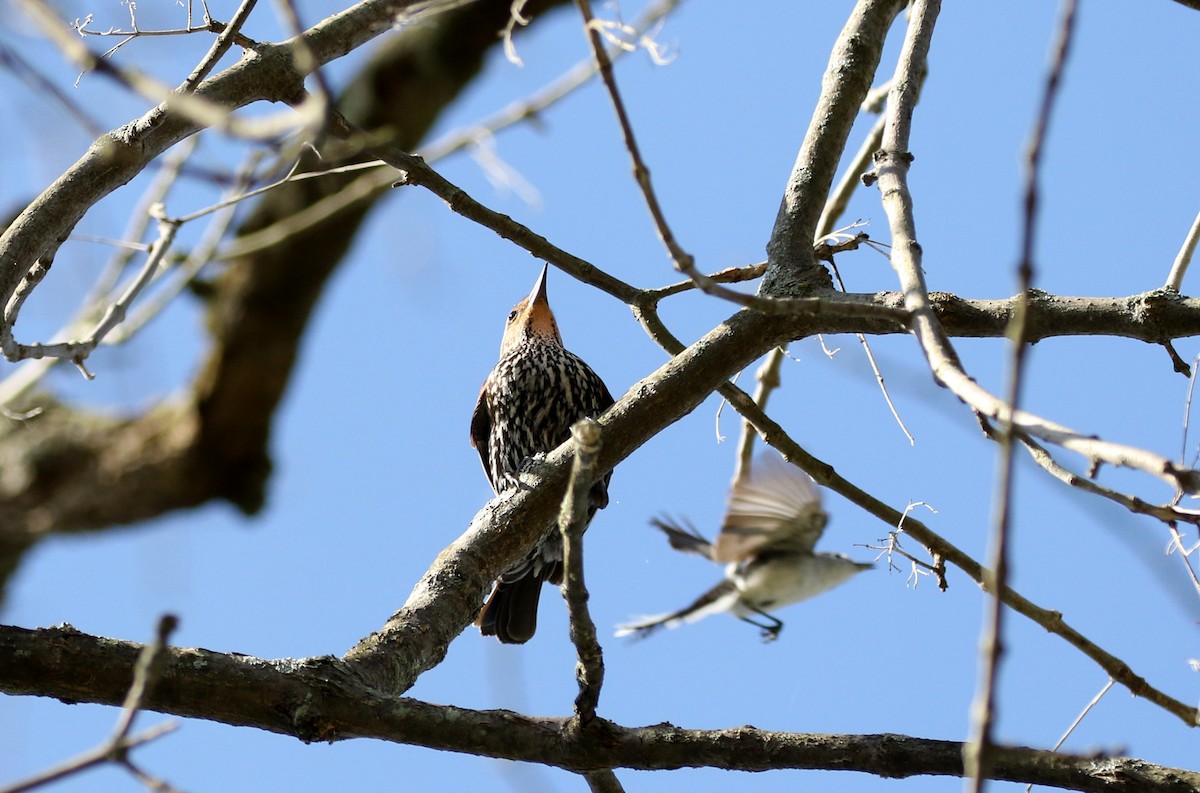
(720, 598)
(510, 613)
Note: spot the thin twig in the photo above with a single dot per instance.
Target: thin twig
(525, 110)
(83, 28)
(77, 351)
(227, 201)
(976, 760)
(414, 171)
(730, 275)
(768, 380)
(919, 568)
(29, 372)
(850, 180)
(140, 221)
(116, 748)
(1078, 719)
(145, 675)
(641, 174)
(887, 398)
(225, 39)
(1184, 257)
(195, 108)
(572, 521)
(199, 257)
(90, 759)
(1187, 411)
(1176, 546)
(839, 199)
(1166, 512)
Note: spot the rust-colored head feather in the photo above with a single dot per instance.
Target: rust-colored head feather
(531, 320)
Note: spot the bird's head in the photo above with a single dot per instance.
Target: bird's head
(531, 319)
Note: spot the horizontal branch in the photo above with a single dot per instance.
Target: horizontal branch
(320, 699)
(55, 495)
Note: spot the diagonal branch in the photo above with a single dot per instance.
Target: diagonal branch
(826, 475)
(791, 267)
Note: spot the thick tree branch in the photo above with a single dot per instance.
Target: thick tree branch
(791, 267)
(319, 699)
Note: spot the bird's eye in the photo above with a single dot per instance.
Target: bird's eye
(512, 315)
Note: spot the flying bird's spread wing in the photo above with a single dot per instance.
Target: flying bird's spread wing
(775, 507)
(684, 539)
(772, 523)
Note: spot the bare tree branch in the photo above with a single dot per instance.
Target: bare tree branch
(791, 267)
(146, 670)
(572, 521)
(322, 699)
(991, 641)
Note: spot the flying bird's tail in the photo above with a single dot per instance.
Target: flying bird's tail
(720, 598)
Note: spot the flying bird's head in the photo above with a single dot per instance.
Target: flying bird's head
(531, 320)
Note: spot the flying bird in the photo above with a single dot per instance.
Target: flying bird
(771, 525)
(526, 407)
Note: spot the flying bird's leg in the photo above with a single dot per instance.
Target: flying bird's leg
(770, 631)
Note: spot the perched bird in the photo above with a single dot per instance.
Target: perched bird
(773, 520)
(526, 407)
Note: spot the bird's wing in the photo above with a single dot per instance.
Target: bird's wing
(683, 539)
(776, 506)
(481, 431)
(604, 400)
(720, 598)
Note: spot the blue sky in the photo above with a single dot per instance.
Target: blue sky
(375, 473)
